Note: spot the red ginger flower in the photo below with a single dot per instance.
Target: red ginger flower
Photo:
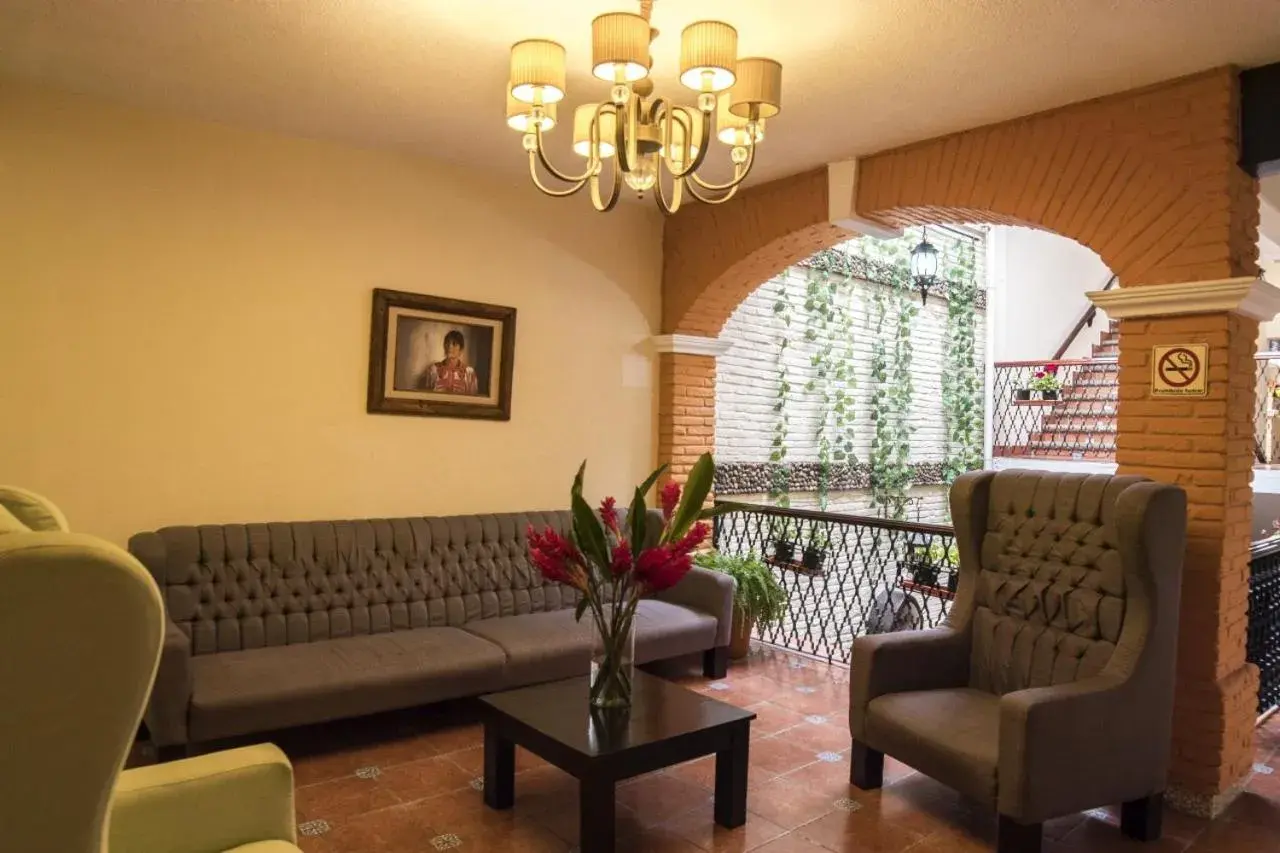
(609, 513)
(556, 557)
(621, 563)
(1051, 368)
(695, 537)
(662, 567)
(670, 499)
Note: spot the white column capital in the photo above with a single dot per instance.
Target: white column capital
(691, 345)
(1249, 297)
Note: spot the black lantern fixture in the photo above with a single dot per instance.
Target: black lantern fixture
(924, 266)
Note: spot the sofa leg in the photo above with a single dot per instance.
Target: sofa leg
(715, 662)
(173, 752)
(1141, 819)
(867, 771)
(1015, 837)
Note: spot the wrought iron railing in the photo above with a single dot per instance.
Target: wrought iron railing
(1264, 620)
(844, 575)
(1075, 421)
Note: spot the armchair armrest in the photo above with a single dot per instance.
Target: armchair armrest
(708, 591)
(209, 803)
(1072, 746)
(903, 661)
(166, 714)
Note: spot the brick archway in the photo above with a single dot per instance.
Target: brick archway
(1148, 180)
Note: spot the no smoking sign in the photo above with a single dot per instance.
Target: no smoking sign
(1180, 371)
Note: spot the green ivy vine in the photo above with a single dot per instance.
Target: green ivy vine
(961, 379)
(780, 479)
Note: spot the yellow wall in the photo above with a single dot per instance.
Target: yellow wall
(184, 324)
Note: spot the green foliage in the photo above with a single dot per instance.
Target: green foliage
(962, 404)
(779, 480)
(758, 594)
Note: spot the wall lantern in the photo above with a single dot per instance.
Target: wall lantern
(924, 267)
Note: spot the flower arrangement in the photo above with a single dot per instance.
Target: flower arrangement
(612, 565)
(1046, 380)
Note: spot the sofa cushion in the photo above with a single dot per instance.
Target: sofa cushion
(950, 735)
(279, 686)
(539, 646)
(664, 630)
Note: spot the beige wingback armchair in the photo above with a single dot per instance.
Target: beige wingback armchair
(1050, 689)
(81, 624)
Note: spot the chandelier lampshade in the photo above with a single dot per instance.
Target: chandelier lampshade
(520, 115)
(633, 139)
(537, 71)
(759, 86)
(732, 129)
(708, 56)
(620, 47)
(582, 118)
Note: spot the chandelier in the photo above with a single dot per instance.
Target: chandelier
(657, 146)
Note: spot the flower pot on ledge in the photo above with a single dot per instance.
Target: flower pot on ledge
(813, 559)
(1048, 395)
(784, 552)
(1022, 394)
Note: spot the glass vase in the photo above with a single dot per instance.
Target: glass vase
(612, 657)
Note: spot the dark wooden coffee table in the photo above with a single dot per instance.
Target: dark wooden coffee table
(667, 724)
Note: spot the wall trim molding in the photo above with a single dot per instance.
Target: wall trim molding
(842, 189)
(691, 345)
(1250, 297)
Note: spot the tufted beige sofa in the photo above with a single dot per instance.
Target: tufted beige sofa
(276, 625)
(1050, 689)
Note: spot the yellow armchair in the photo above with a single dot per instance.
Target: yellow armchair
(88, 624)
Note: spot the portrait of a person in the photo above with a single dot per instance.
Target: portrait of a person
(452, 374)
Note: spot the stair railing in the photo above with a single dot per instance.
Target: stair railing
(1086, 319)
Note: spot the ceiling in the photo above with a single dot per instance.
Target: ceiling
(428, 75)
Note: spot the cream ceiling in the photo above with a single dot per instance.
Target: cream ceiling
(428, 75)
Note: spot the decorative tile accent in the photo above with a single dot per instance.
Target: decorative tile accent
(1263, 769)
(314, 827)
(829, 757)
(815, 719)
(446, 842)
(845, 804)
(477, 784)
(718, 685)
(807, 690)
(368, 772)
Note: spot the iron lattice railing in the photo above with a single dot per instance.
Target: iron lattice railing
(1077, 421)
(844, 575)
(1264, 620)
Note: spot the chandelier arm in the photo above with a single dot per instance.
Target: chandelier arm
(596, 202)
(552, 170)
(708, 200)
(740, 174)
(677, 195)
(669, 116)
(537, 182)
(625, 128)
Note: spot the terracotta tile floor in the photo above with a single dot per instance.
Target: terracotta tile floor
(409, 783)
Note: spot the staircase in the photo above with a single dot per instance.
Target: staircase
(1081, 424)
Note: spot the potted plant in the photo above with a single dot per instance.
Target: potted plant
(784, 542)
(947, 559)
(814, 555)
(1046, 382)
(1022, 393)
(758, 599)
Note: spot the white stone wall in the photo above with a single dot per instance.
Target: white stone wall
(747, 382)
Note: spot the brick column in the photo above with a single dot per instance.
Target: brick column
(1205, 444)
(686, 399)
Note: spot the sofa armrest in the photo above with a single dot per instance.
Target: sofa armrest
(708, 591)
(1076, 746)
(212, 802)
(905, 660)
(166, 715)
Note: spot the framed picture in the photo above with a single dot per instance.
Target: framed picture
(439, 357)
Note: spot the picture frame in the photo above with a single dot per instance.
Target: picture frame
(433, 356)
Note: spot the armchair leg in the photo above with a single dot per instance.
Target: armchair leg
(1015, 837)
(715, 662)
(867, 772)
(1141, 819)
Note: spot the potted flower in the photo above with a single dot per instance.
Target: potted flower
(613, 565)
(1046, 382)
(1022, 393)
(758, 599)
(814, 555)
(784, 542)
